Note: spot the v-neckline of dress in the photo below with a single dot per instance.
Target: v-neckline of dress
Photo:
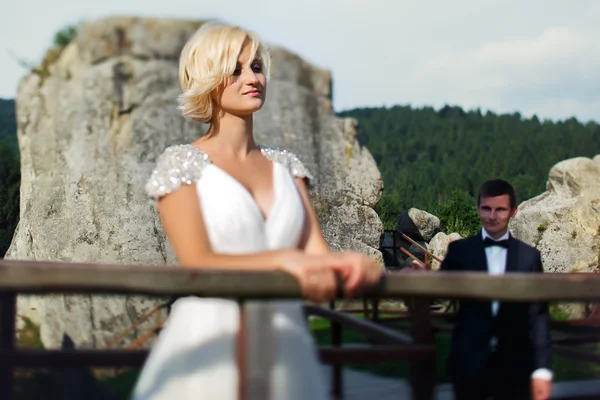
(267, 215)
(264, 217)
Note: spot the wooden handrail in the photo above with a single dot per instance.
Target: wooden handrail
(423, 249)
(137, 323)
(62, 277)
(57, 277)
(411, 255)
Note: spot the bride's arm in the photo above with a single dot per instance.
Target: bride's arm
(183, 223)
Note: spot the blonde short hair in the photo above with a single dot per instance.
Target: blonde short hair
(208, 58)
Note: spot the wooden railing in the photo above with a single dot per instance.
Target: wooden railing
(251, 288)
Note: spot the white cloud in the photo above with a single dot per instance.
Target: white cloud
(538, 56)
(555, 72)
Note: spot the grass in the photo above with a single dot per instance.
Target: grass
(121, 385)
(557, 313)
(29, 335)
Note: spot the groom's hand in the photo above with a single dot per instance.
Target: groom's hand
(541, 389)
(417, 265)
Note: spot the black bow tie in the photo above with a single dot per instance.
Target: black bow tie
(490, 242)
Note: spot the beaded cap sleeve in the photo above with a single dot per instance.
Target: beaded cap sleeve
(177, 165)
(288, 159)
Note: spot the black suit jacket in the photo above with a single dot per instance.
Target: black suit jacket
(522, 329)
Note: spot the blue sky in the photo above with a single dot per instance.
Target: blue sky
(537, 56)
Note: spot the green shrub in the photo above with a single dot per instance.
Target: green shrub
(459, 214)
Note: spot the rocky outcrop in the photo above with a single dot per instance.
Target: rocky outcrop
(438, 246)
(92, 120)
(428, 224)
(564, 221)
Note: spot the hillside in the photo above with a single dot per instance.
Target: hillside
(424, 154)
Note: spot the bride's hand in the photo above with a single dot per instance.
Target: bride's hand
(359, 272)
(315, 274)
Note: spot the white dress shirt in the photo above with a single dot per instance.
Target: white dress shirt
(496, 261)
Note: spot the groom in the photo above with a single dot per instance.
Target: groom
(501, 350)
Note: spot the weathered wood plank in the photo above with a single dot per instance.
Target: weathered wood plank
(364, 353)
(479, 285)
(135, 358)
(47, 277)
(259, 349)
(584, 355)
(422, 372)
(73, 359)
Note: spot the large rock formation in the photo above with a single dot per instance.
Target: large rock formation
(438, 246)
(428, 224)
(564, 221)
(92, 120)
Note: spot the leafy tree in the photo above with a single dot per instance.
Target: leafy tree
(8, 124)
(459, 214)
(63, 37)
(389, 210)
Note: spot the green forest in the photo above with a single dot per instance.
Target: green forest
(435, 160)
(430, 159)
(10, 175)
(8, 125)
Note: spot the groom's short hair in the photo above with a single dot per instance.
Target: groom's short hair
(495, 188)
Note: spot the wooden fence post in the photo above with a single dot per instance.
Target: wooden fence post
(256, 349)
(337, 377)
(422, 373)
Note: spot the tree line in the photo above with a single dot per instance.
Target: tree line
(10, 175)
(435, 160)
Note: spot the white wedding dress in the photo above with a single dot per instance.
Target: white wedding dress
(194, 356)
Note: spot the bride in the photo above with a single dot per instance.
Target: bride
(226, 202)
